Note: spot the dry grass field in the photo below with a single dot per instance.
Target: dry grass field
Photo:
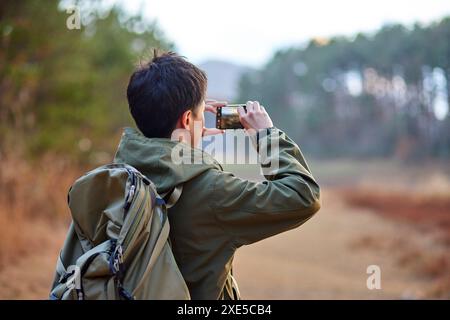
(375, 213)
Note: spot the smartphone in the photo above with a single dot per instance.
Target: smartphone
(227, 117)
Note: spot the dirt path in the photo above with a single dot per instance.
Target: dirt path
(32, 275)
(324, 259)
(327, 257)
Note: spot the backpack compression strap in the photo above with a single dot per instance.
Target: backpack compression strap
(159, 245)
(174, 196)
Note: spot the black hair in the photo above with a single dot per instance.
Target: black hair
(161, 90)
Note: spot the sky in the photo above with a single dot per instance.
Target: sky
(248, 32)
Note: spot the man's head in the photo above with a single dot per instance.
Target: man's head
(167, 93)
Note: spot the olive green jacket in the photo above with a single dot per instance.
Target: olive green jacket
(218, 212)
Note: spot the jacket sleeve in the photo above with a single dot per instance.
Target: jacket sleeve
(251, 211)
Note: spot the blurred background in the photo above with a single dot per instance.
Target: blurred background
(363, 88)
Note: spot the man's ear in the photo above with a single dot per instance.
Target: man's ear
(185, 119)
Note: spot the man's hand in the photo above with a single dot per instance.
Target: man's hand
(256, 117)
(211, 106)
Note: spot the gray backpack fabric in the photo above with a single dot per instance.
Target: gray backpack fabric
(118, 244)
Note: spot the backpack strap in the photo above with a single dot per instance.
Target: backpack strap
(160, 243)
(60, 268)
(174, 196)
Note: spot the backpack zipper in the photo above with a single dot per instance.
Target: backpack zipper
(135, 223)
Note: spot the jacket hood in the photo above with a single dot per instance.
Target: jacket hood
(153, 158)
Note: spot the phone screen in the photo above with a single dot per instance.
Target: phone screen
(228, 118)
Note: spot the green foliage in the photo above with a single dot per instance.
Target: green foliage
(392, 113)
(59, 85)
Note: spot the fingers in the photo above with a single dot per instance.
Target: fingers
(215, 103)
(243, 117)
(211, 105)
(208, 100)
(256, 116)
(253, 106)
(249, 106)
(211, 131)
(212, 109)
(263, 109)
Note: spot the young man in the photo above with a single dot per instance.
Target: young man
(217, 212)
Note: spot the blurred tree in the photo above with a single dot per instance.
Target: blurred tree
(369, 95)
(65, 90)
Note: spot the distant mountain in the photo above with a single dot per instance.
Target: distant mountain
(223, 79)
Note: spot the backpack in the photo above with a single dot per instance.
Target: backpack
(118, 245)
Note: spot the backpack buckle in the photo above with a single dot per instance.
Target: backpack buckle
(116, 260)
